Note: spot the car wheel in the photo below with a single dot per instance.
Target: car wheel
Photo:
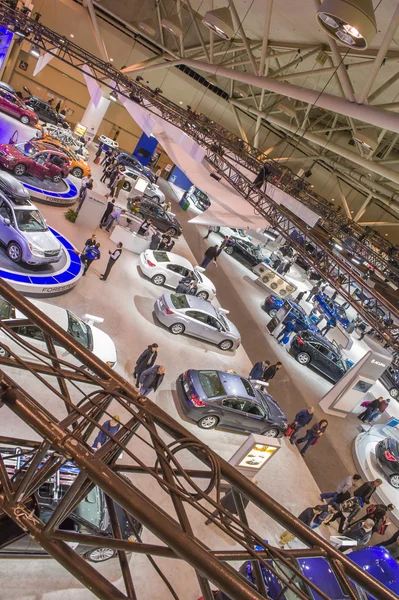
(273, 312)
(155, 198)
(215, 229)
(273, 432)
(229, 250)
(77, 172)
(394, 481)
(208, 422)
(158, 279)
(303, 358)
(98, 555)
(127, 187)
(226, 345)
(19, 170)
(204, 295)
(57, 178)
(177, 328)
(140, 215)
(24, 119)
(172, 231)
(14, 252)
(394, 392)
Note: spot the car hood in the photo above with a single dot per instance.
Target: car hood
(45, 240)
(206, 282)
(10, 150)
(232, 328)
(172, 219)
(276, 412)
(103, 345)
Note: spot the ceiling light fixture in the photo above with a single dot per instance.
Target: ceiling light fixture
(367, 138)
(220, 21)
(71, 35)
(34, 51)
(338, 247)
(287, 107)
(350, 21)
(113, 96)
(173, 25)
(147, 27)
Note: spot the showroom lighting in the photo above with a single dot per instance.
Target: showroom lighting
(352, 22)
(34, 51)
(147, 27)
(113, 96)
(220, 21)
(71, 35)
(173, 25)
(367, 138)
(338, 247)
(357, 262)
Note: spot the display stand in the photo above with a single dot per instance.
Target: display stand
(130, 240)
(254, 453)
(92, 210)
(341, 337)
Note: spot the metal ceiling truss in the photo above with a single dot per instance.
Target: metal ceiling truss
(227, 153)
(78, 400)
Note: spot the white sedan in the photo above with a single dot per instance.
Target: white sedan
(166, 268)
(241, 234)
(108, 142)
(85, 332)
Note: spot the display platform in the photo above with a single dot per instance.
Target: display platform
(44, 280)
(364, 454)
(63, 193)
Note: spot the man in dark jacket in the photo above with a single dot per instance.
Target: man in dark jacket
(145, 360)
(89, 255)
(315, 290)
(286, 330)
(109, 209)
(258, 369)
(270, 372)
(361, 532)
(211, 253)
(366, 490)
(262, 176)
(302, 418)
(144, 227)
(151, 379)
(299, 297)
(155, 240)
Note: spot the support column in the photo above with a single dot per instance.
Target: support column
(363, 208)
(10, 62)
(93, 117)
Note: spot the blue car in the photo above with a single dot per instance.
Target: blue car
(332, 309)
(273, 303)
(376, 561)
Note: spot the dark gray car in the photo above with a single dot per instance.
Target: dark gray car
(215, 398)
(162, 220)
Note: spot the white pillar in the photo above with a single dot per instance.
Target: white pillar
(93, 117)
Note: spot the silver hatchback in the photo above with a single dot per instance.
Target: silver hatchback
(183, 313)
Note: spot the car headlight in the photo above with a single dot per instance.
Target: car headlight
(35, 250)
(238, 340)
(110, 364)
(132, 538)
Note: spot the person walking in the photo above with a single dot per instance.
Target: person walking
(210, 230)
(300, 296)
(113, 257)
(89, 255)
(382, 406)
(114, 216)
(271, 371)
(366, 490)
(287, 329)
(144, 227)
(392, 540)
(108, 210)
(211, 254)
(146, 360)
(151, 379)
(315, 290)
(370, 408)
(329, 325)
(312, 436)
(302, 418)
(313, 517)
(258, 369)
(349, 483)
(112, 427)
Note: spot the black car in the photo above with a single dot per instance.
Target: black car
(387, 454)
(215, 398)
(311, 349)
(44, 111)
(131, 161)
(90, 516)
(244, 251)
(390, 379)
(162, 220)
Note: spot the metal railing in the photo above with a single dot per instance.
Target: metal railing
(81, 392)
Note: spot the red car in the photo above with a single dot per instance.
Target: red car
(12, 105)
(35, 159)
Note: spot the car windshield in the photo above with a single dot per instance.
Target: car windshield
(26, 149)
(161, 256)
(223, 321)
(340, 312)
(7, 311)
(211, 384)
(80, 331)
(30, 220)
(179, 301)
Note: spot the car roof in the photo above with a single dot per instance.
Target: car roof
(177, 259)
(199, 304)
(56, 313)
(14, 189)
(319, 338)
(233, 385)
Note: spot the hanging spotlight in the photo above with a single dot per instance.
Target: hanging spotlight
(172, 24)
(158, 91)
(34, 51)
(113, 96)
(351, 21)
(220, 21)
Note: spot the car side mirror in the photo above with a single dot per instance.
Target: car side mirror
(7, 221)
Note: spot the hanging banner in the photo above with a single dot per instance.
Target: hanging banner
(94, 89)
(42, 61)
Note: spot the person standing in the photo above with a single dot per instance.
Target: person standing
(113, 175)
(166, 243)
(83, 193)
(361, 533)
(151, 379)
(315, 290)
(392, 540)
(144, 227)
(106, 173)
(113, 257)
(312, 435)
(331, 322)
(229, 504)
(108, 210)
(300, 296)
(271, 371)
(155, 240)
(286, 330)
(210, 230)
(120, 183)
(157, 174)
(345, 485)
(302, 418)
(89, 255)
(211, 254)
(393, 548)
(114, 216)
(58, 106)
(366, 490)
(112, 427)
(313, 517)
(98, 153)
(262, 176)
(258, 370)
(382, 406)
(370, 408)
(145, 360)
(91, 241)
